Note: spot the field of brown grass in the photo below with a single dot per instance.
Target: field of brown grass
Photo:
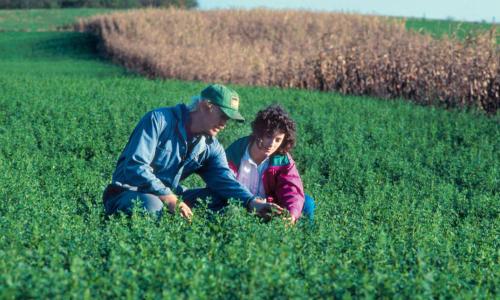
(361, 55)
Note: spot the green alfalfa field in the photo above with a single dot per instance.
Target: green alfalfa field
(407, 196)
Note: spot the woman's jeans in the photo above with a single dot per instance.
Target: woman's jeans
(309, 207)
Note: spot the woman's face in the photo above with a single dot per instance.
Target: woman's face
(268, 144)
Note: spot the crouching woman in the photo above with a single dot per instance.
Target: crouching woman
(262, 163)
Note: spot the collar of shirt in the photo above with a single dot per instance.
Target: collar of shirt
(261, 167)
(250, 174)
(186, 122)
(186, 119)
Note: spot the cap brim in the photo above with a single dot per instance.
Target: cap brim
(232, 114)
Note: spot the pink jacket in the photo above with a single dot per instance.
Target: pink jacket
(281, 179)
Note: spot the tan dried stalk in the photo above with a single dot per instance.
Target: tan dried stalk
(362, 55)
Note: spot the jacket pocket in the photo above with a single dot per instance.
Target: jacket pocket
(191, 166)
(163, 158)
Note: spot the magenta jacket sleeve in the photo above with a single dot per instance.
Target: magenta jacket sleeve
(289, 189)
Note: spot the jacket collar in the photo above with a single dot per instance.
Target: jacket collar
(181, 114)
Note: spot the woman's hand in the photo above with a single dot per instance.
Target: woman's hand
(263, 209)
(289, 220)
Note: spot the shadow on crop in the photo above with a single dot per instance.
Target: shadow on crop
(49, 45)
(68, 45)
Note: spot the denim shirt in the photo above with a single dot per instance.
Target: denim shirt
(157, 158)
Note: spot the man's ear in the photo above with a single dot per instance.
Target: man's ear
(210, 106)
(206, 106)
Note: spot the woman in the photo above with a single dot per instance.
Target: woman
(263, 164)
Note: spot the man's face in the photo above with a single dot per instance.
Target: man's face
(215, 120)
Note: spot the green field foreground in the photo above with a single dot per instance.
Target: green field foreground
(408, 196)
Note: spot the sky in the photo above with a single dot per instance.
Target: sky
(460, 10)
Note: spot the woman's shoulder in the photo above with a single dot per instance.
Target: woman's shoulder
(240, 143)
(281, 160)
(236, 150)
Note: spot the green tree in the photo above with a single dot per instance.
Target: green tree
(10, 4)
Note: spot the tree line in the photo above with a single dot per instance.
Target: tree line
(5, 4)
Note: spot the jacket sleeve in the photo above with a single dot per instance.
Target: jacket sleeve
(289, 190)
(220, 179)
(140, 152)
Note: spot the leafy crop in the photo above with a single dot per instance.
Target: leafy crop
(407, 196)
(449, 28)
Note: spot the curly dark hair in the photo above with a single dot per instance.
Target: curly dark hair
(271, 120)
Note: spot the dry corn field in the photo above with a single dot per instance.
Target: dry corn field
(361, 55)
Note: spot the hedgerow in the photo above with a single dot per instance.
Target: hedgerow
(53, 4)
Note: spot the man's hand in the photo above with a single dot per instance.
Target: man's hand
(263, 209)
(170, 202)
(185, 210)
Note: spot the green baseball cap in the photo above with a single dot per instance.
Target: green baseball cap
(225, 98)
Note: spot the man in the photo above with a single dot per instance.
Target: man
(171, 143)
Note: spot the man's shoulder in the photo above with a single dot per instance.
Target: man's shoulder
(213, 142)
(165, 115)
(170, 111)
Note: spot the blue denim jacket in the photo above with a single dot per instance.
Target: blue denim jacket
(156, 158)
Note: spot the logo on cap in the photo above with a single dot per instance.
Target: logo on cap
(235, 102)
